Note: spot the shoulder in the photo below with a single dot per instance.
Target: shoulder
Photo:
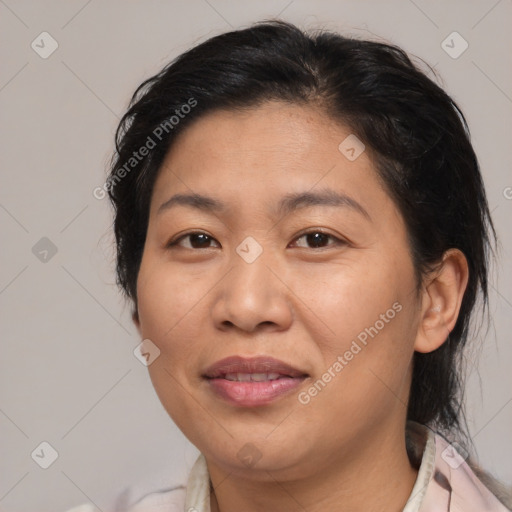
(464, 482)
(497, 488)
(449, 480)
(157, 492)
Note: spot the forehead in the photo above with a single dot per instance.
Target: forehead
(275, 141)
(259, 133)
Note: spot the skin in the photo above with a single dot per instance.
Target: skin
(199, 301)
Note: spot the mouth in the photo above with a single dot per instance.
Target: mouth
(251, 382)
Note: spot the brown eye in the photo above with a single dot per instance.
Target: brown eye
(196, 240)
(317, 240)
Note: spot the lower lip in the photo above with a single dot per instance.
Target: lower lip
(252, 394)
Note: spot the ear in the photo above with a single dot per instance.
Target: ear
(440, 301)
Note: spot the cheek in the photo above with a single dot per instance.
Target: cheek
(170, 311)
(369, 309)
(169, 304)
(350, 298)
(366, 363)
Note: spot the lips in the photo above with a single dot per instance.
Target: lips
(255, 365)
(250, 382)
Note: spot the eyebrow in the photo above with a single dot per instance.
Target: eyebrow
(289, 203)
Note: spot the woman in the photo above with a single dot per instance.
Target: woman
(303, 232)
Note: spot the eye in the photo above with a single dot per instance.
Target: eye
(194, 240)
(318, 240)
(313, 239)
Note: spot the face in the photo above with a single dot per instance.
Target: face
(267, 244)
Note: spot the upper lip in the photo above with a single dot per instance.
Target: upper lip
(261, 364)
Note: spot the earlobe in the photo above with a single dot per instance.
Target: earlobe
(441, 300)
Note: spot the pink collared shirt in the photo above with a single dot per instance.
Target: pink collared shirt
(445, 483)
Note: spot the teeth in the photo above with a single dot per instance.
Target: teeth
(259, 377)
(254, 377)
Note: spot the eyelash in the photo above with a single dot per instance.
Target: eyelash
(338, 241)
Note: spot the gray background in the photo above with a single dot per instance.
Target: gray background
(68, 374)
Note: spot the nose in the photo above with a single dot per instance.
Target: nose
(252, 297)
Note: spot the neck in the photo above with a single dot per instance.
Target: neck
(374, 475)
